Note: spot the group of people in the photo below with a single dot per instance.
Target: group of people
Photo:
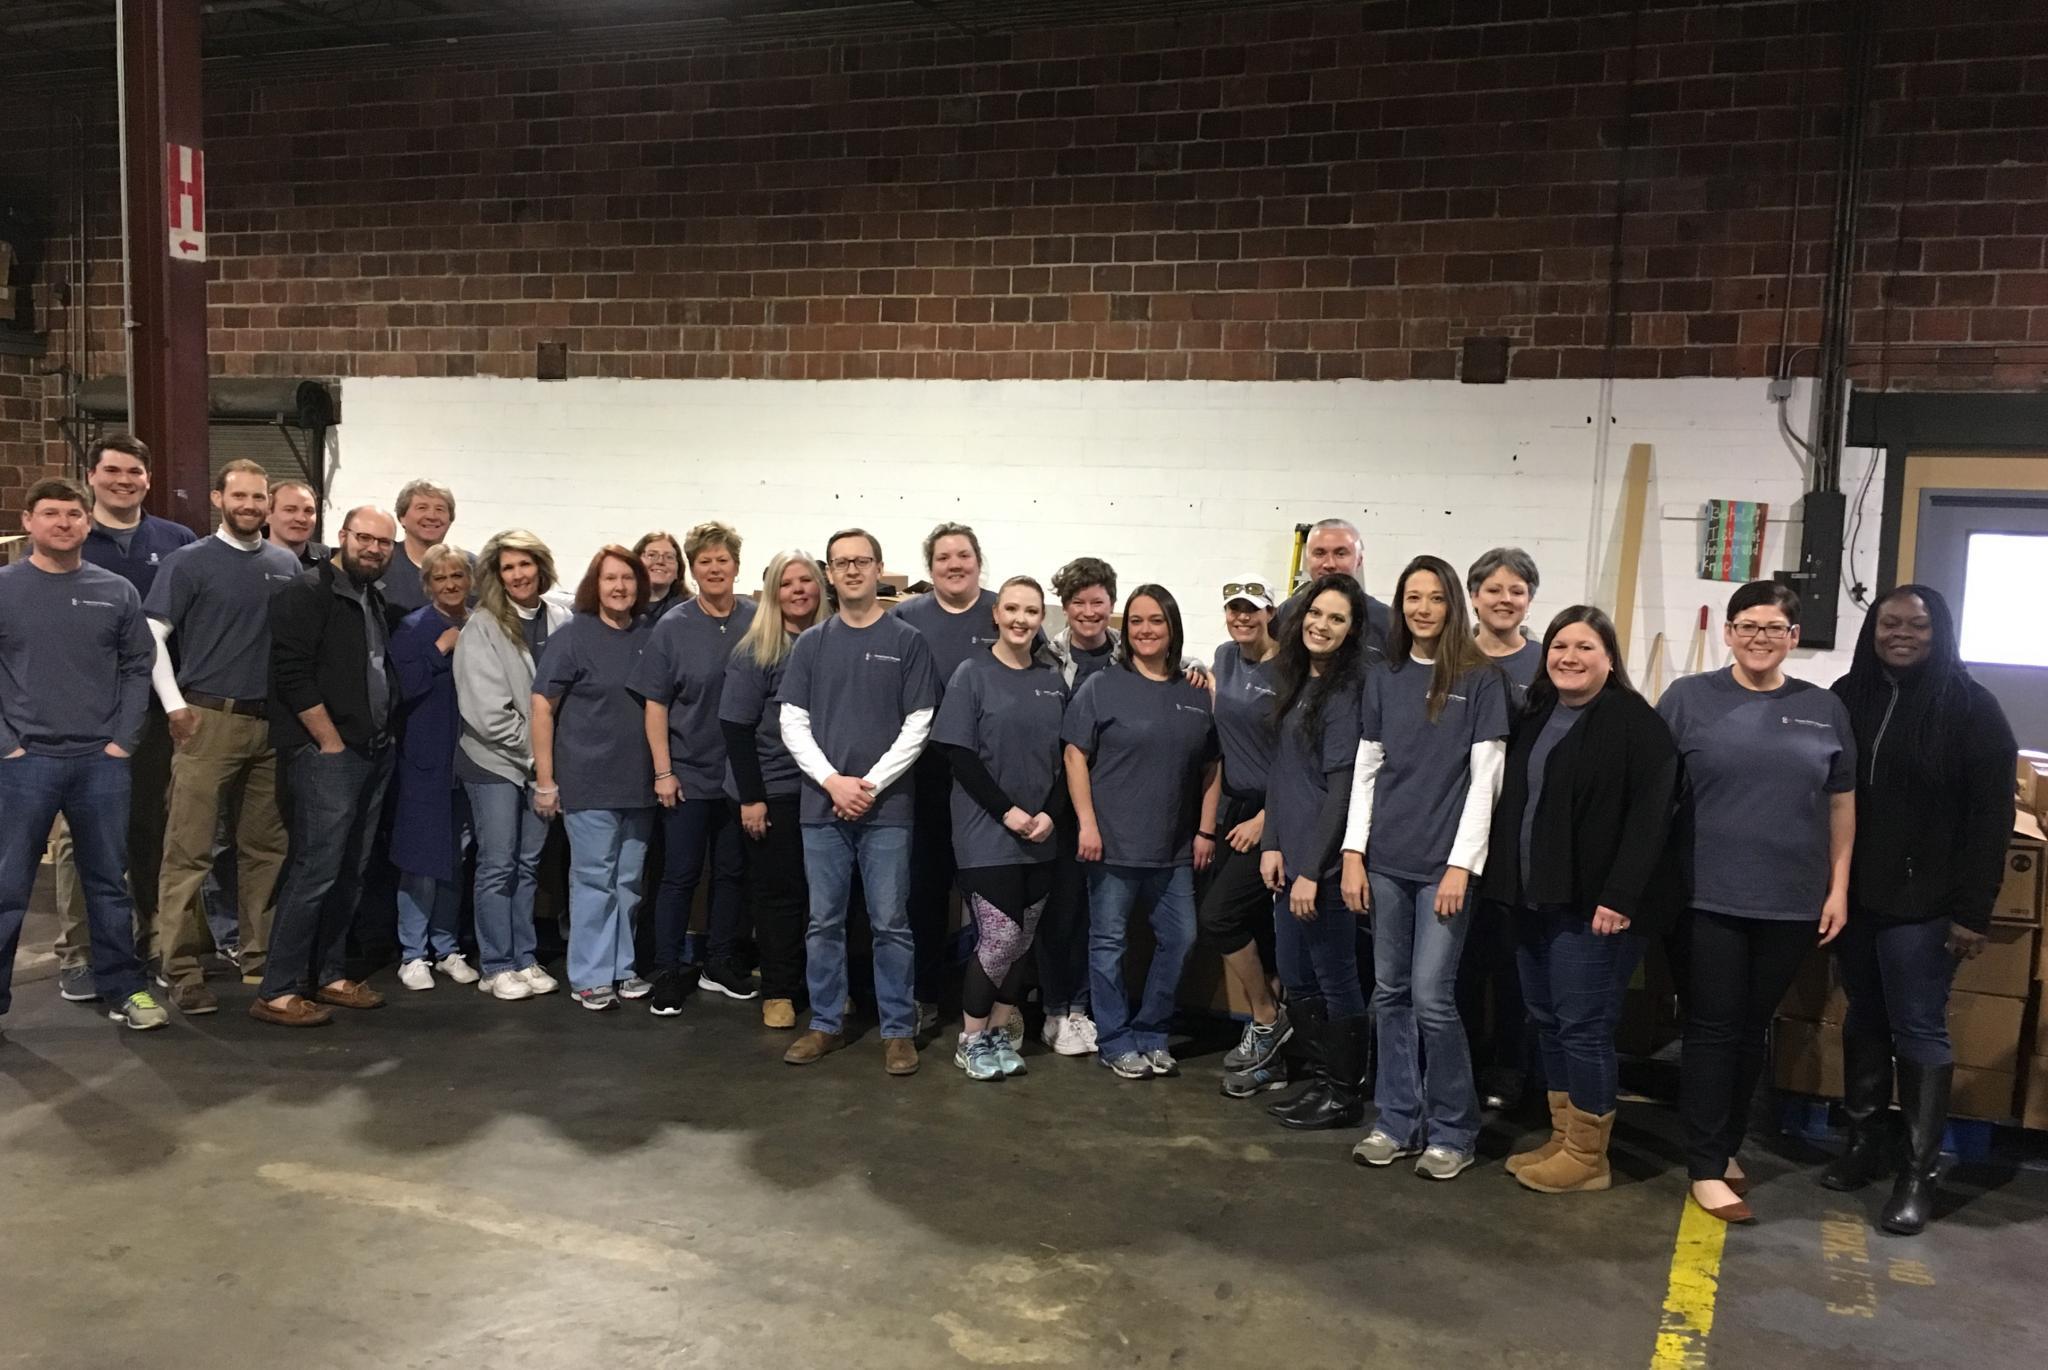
(253, 721)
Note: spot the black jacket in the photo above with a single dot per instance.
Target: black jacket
(1930, 842)
(319, 654)
(1603, 832)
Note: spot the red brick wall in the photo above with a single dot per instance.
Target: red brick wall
(1317, 192)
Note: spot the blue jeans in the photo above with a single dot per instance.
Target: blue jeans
(428, 912)
(1320, 956)
(509, 838)
(1897, 978)
(92, 794)
(607, 854)
(1113, 891)
(334, 805)
(1424, 1090)
(832, 854)
(693, 832)
(1573, 982)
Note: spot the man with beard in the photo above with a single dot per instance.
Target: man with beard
(331, 693)
(213, 599)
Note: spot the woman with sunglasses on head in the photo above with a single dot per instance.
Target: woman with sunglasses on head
(1434, 725)
(1235, 909)
(1318, 676)
(1581, 859)
(999, 730)
(763, 783)
(1140, 749)
(1933, 817)
(1770, 763)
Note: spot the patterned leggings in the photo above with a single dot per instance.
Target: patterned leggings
(1005, 902)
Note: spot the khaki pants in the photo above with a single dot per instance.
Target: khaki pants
(74, 943)
(230, 756)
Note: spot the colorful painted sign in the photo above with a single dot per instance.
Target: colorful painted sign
(1732, 539)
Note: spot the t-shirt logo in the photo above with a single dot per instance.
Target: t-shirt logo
(273, 575)
(78, 603)
(1191, 708)
(1043, 694)
(154, 557)
(1252, 687)
(1805, 722)
(881, 656)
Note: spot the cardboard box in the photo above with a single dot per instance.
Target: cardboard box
(1983, 1094)
(2020, 896)
(2004, 967)
(1807, 1057)
(2031, 782)
(1816, 995)
(1985, 1029)
(2034, 1103)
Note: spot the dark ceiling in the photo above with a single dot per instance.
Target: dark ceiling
(52, 38)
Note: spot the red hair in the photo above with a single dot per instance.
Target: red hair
(586, 592)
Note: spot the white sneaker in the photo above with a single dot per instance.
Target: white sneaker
(1054, 1031)
(414, 974)
(457, 969)
(538, 980)
(1080, 1035)
(506, 984)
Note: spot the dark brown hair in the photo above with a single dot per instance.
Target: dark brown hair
(58, 488)
(125, 443)
(1456, 652)
(586, 592)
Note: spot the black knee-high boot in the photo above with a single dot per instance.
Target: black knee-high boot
(1311, 1017)
(1866, 1102)
(1923, 1093)
(1342, 1103)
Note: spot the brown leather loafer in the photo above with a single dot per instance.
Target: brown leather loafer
(349, 994)
(899, 1056)
(812, 1045)
(193, 999)
(296, 1012)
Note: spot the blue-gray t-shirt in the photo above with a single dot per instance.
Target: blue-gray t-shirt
(1147, 743)
(216, 599)
(1420, 791)
(1761, 765)
(1298, 786)
(682, 666)
(749, 697)
(601, 756)
(858, 685)
(1244, 719)
(1521, 669)
(75, 653)
(1562, 720)
(1010, 718)
(952, 638)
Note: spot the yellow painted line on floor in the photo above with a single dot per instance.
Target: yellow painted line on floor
(1689, 1297)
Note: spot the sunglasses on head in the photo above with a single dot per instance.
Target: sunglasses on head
(1255, 588)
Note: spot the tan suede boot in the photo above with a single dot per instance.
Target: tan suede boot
(1559, 1102)
(1582, 1165)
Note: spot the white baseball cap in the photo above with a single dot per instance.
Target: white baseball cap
(1253, 589)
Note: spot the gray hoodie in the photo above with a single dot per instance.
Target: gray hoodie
(494, 691)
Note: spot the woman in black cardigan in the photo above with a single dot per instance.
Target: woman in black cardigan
(1580, 853)
(1933, 816)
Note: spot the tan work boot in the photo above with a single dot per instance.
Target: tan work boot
(1581, 1166)
(899, 1056)
(778, 1013)
(812, 1045)
(1559, 1103)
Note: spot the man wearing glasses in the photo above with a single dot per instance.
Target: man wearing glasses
(857, 703)
(331, 695)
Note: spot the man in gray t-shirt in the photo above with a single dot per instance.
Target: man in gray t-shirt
(857, 703)
(210, 604)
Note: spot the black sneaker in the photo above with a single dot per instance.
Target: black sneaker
(669, 992)
(730, 979)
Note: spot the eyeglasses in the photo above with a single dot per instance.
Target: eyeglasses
(1255, 588)
(1764, 632)
(370, 540)
(658, 558)
(851, 563)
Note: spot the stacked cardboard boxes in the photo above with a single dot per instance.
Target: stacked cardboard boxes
(2026, 871)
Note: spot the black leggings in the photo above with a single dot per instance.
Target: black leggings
(1741, 968)
(1005, 902)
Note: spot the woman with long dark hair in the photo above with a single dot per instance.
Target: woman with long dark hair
(1770, 767)
(1318, 676)
(1580, 855)
(1140, 747)
(1933, 816)
(1433, 729)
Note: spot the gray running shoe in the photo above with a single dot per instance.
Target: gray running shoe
(1259, 1044)
(1243, 1084)
(140, 1011)
(1162, 1062)
(1378, 1148)
(75, 985)
(976, 1055)
(1442, 1163)
(1129, 1066)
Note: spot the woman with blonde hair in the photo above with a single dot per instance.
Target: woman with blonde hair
(762, 782)
(518, 608)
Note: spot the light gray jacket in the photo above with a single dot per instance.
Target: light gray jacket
(494, 691)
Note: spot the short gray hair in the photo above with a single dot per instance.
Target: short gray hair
(413, 489)
(1513, 560)
(1324, 525)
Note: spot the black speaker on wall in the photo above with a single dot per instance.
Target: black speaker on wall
(1485, 361)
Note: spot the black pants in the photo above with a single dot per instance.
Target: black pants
(334, 803)
(149, 775)
(931, 871)
(1741, 968)
(1062, 941)
(778, 898)
(1233, 907)
(1490, 992)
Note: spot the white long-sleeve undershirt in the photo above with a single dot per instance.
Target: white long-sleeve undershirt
(810, 758)
(1487, 767)
(162, 676)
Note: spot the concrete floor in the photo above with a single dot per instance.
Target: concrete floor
(453, 1181)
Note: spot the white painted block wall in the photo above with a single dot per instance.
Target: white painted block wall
(1187, 483)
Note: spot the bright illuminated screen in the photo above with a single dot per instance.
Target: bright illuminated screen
(2002, 620)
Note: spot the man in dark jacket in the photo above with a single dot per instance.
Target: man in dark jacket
(331, 694)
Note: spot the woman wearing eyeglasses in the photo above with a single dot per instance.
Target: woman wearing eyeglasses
(662, 554)
(1771, 763)
(1235, 909)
